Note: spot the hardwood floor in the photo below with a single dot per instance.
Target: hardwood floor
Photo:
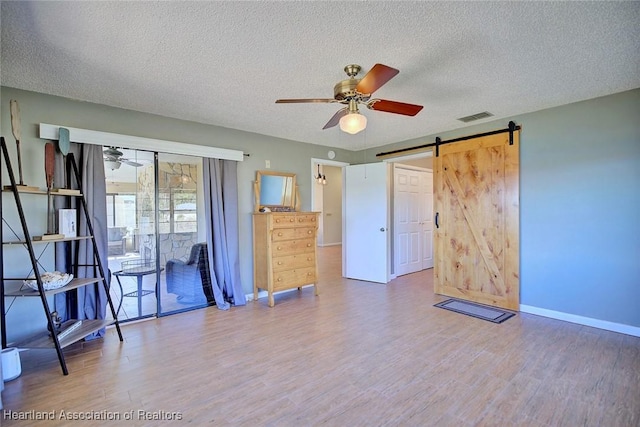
(360, 354)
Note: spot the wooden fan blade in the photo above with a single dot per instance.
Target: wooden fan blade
(297, 101)
(394, 107)
(375, 78)
(336, 118)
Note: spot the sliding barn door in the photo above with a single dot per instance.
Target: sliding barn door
(477, 226)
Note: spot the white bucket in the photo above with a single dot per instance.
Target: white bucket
(11, 367)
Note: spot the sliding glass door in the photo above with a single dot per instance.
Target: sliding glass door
(154, 204)
(181, 251)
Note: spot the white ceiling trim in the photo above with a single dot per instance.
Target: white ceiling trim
(86, 136)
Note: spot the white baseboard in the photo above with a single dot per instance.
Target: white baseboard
(264, 294)
(581, 320)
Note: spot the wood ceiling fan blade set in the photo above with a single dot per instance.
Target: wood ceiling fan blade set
(353, 92)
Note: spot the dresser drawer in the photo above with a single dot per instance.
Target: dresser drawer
(294, 220)
(280, 221)
(293, 233)
(303, 220)
(292, 247)
(293, 278)
(291, 262)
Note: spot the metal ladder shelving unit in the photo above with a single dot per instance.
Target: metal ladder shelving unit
(48, 339)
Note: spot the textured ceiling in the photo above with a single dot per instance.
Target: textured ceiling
(225, 63)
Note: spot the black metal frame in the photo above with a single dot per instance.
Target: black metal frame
(71, 166)
(512, 128)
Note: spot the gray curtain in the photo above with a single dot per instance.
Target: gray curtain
(90, 302)
(221, 215)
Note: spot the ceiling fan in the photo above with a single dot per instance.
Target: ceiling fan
(353, 92)
(113, 159)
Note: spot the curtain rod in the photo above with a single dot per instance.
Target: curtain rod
(512, 127)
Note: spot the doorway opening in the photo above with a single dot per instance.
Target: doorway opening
(326, 198)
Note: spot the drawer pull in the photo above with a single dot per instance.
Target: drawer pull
(309, 232)
(280, 234)
(291, 220)
(279, 262)
(277, 220)
(309, 259)
(308, 245)
(279, 248)
(279, 279)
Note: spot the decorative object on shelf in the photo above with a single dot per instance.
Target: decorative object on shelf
(321, 179)
(17, 133)
(69, 329)
(16, 128)
(49, 170)
(63, 147)
(67, 222)
(56, 321)
(50, 280)
(49, 164)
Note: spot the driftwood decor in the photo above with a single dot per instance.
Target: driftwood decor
(49, 170)
(16, 129)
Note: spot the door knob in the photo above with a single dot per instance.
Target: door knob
(382, 229)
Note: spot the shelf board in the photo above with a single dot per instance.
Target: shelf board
(60, 192)
(25, 189)
(73, 284)
(44, 341)
(64, 239)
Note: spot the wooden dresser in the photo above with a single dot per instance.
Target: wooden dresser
(284, 251)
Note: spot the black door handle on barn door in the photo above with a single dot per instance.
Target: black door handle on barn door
(437, 225)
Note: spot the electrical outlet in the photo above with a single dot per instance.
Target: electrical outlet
(267, 164)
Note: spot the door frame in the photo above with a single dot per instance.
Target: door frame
(314, 166)
(400, 159)
(400, 165)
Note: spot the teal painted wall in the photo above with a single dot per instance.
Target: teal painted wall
(579, 206)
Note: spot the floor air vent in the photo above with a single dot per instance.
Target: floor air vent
(476, 116)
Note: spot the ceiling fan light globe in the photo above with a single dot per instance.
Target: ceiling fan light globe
(112, 164)
(353, 123)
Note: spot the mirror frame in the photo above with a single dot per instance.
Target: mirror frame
(285, 207)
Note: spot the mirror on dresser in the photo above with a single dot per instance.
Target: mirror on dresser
(276, 191)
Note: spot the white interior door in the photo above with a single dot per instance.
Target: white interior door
(426, 182)
(366, 222)
(408, 220)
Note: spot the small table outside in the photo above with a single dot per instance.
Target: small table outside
(138, 269)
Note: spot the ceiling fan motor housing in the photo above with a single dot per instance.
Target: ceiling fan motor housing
(346, 91)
